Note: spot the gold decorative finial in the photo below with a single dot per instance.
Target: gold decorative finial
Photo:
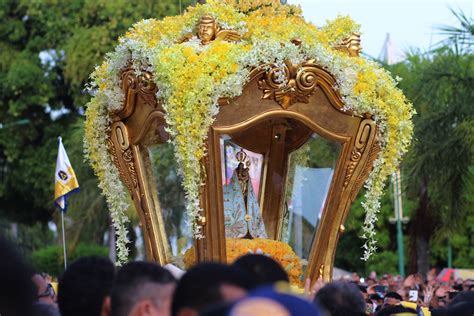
(351, 45)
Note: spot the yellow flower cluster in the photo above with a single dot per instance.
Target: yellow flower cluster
(338, 29)
(277, 250)
(280, 24)
(150, 32)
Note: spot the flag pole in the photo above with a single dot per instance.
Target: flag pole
(65, 182)
(64, 239)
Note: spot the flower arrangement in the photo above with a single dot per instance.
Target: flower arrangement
(277, 250)
(191, 77)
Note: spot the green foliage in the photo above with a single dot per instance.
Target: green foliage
(439, 83)
(349, 249)
(48, 48)
(170, 191)
(50, 259)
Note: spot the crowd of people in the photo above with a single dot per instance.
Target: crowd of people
(253, 285)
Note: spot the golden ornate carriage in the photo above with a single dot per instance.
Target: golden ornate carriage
(309, 155)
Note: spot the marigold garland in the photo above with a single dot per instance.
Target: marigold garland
(277, 250)
(191, 77)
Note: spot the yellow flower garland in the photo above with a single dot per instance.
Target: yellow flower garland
(191, 78)
(277, 250)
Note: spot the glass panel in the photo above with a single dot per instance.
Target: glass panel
(310, 171)
(241, 179)
(171, 201)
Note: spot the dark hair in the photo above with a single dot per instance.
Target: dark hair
(84, 285)
(200, 286)
(362, 288)
(341, 299)
(394, 295)
(131, 284)
(395, 309)
(461, 308)
(261, 269)
(467, 296)
(43, 309)
(17, 292)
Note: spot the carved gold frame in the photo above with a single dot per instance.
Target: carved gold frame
(310, 97)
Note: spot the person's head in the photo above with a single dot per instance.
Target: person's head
(142, 288)
(45, 291)
(370, 282)
(394, 310)
(85, 286)
(376, 298)
(207, 284)
(340, 298)
(463, 308)
(261, 269)
(44, 309)
(392, 298)
(355, 278)
(17, 292)
(462, 297)
(467, 285)
(272, 301)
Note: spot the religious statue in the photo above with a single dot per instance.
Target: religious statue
(241, 210)
(208, 30)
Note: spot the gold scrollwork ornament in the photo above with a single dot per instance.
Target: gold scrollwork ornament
(290, 84)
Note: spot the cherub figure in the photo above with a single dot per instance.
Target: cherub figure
(208, 31)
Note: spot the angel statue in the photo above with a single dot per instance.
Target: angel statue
(208, 31)
(241, 210)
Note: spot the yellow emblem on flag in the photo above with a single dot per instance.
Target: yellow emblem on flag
(65, 181)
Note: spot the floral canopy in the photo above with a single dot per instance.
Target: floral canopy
(193, 72)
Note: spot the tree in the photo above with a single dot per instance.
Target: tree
(436, 169)
(47, 51)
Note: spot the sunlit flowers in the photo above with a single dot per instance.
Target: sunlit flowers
(277, 250)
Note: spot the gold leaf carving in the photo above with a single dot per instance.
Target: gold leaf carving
(373, 153)
(133, 86)
(363, 134)
(354, 160)
(113, 153)
(128, 158)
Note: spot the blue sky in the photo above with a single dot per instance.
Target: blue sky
(410, 23)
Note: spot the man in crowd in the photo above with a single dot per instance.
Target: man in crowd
(17, 292)
(392, 298)
(340, 299)
(206, 285)
(85, 286)
(261, 270)
(45, 304)
(142, 289)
